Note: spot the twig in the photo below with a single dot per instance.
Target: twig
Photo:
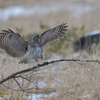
(41, 65)
(18, 84)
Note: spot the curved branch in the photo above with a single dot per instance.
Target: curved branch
(41, 65)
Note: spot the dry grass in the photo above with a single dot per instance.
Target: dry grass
(68, 80)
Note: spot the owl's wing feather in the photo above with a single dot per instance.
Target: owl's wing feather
(54, 34)
(13, 43)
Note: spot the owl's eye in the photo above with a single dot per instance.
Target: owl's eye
(36, 39)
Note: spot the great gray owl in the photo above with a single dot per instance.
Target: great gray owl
(16, 46)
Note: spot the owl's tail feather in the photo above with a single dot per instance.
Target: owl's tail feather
(24, 61)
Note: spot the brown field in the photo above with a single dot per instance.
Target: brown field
(58, 81)
(72, 15)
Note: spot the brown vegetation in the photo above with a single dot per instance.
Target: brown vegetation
(65, 80)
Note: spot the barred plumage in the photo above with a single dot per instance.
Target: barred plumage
(12, 43)
(54, 34)
(16, 46)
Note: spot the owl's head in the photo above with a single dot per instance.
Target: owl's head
(35, 40)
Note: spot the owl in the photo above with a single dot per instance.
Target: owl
(14, 45)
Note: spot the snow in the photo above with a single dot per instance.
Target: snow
(52, 94)
(14, 11)
(11, 12)
(86, 96)
(41, 84)
(92, 33)
(78, 54)
(35, 97)
(39, 96)
(78, 9)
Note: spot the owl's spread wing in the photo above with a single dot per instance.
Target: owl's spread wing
(54, 34)
(12, 43)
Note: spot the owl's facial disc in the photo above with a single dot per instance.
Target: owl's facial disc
(36, 41)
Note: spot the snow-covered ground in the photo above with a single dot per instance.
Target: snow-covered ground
(15, 11)
(92, 33)
(39, 96)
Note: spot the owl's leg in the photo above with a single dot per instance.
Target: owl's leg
(42, 58)
(37, 69)
(38, 63)
(36, 60)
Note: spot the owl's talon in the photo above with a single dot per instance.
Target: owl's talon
(38, 64)
(45, 62)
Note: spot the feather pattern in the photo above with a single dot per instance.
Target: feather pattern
(16, 46)
(12, 43)
(54, 34)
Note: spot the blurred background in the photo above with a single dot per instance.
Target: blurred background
(27, 17)
(34, 16)
(28, 14)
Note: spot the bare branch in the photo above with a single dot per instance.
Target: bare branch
(42, 65)
(18, 84)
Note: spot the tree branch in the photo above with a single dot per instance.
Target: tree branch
(18, 84)
(41, 65)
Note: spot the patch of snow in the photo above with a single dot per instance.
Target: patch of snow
(76, 54)
(86, 53)
(72, 39)
(92, 33)
(71, 90)
(39, 96)
(56, 57)
(68, 70)
(41, 84)
(83, 53)
(11, 12)
(77, 10)
(35, 97)
(15, 11)
(54, 69)
(52, 94)
(86, 96)
(60, 81)
(57, 83)
(48, 60)
(53, 84)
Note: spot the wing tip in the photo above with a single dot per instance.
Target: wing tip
(7, 31)
(64, 24)
(10, 30)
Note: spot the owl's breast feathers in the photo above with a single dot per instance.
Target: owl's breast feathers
(38, 52)
(33, 54)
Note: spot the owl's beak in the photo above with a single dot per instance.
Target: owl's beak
(39, 41)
